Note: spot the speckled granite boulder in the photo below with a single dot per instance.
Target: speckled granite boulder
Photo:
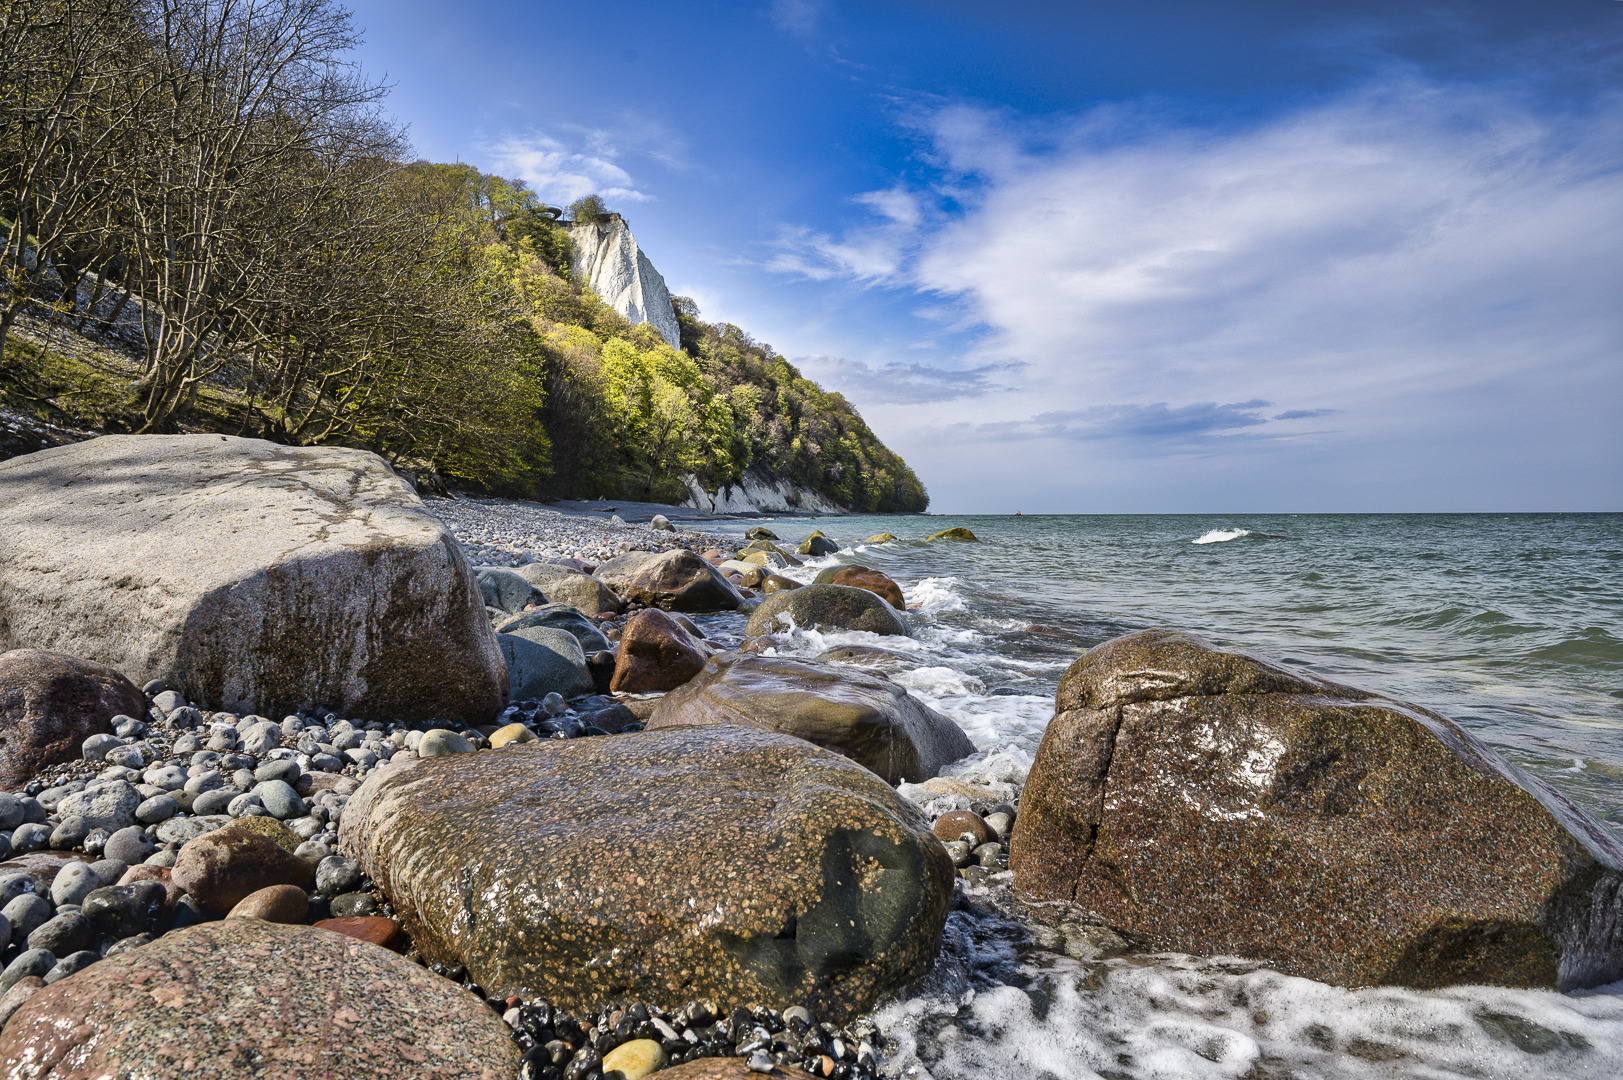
(864, 716)
(250, 998)
(255, 577)
(675, 580)
(50, 703)
(1215, 803)
(826, 607)
(732, 1068)
(865, 577)
(656, 653)
(659, 866)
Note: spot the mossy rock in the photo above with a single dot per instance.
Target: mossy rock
(271, 829)
(826, 607)
(760, 533)
(881, 538)
(817, 545)
(953, 534)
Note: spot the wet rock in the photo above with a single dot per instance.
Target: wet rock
(866, 717)
(558, 617)
(826, 607)
(869, 656)
(952, 826)
(50, 703)
(285, 998)
(863, 577)
(760, 532)
(716, 861)
(567, 585)
(635, 1059)
(952, 534)
(817, 545)
(229, 567)
(730, 1068)
(120, 911)
(656, 653)
(378, 930)
(222, 867)
(879, 538)
(675, 580)
(545, 662)
(1257, 811)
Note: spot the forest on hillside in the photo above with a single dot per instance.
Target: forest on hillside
(213, 185)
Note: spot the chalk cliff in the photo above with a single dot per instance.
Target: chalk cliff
(608, 259)
(759, 493)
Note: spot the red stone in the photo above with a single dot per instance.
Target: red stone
(657, 652)
(374, 928)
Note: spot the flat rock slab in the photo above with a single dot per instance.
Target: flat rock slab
(659, 866)
(859, 714)
(250, 998)
(247, 575)
(1213, 802)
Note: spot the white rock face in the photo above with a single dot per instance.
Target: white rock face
(608, 259)
(250, 576)
(759, 494)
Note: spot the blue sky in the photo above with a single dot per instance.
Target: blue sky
(1108, 257)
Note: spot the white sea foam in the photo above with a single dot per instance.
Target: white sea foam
(939, 682)
(1218, 536)
(1177, 1016)
(934, 595)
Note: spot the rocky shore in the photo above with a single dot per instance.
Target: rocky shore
(303, 775)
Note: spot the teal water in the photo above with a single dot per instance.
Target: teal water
(1511, 625)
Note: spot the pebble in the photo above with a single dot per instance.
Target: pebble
(62, 934)
(95, 748)
(441, 742)
(32, 962)
(71, 964)
(11, 811)
(336, 875)
(352, 905)
(73, 883)
(635, 1059)
(157, 809)
(131, 845)
(26, 914)
(31, 837)
(275, 903)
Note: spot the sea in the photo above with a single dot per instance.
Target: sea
(1511, 625)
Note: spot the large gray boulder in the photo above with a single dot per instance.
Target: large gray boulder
(249, 576)
(864, 716)
(1212, 802)
(675, 580)
(559, 617)
(566, 585)
(661, 866)
(826, 607)
(542, 661)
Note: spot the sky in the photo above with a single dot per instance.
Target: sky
(1131, 257)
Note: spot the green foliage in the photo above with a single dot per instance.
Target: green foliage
(589, 209)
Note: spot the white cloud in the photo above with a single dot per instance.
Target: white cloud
(798, 18)
(1430, 263)
(560, 172)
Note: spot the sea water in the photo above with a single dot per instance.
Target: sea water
(1510, 625)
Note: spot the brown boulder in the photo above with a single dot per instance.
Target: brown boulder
(245, 997)
(675, 580)
(952, 825)
(221, 868)
(864, 716)
(1212, 802)
(50, 703)
(274, 903)
(656, 653)
(662, 866)
(771, 583)
(385, 933)
(865, 577)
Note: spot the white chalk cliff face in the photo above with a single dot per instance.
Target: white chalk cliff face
(608, 259)
(759, 494)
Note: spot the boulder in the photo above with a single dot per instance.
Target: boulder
(864, 716)
(255, 577)
(771, 583)
(543, 662)
(730, 1068)
(248, 997)
(952, 534)
(558, 617)
(817, 545)
(1212, 802)
(50, 703)
(675, 580)
(661, 523)
(879, 538)
(505, 590)
(760, 532)
(662, 866)
(223, 867)
(567, 585)
(864, 577)
(656, 653)
(826, 607)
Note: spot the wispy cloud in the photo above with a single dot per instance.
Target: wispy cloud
(562, 169)
(798, 18)
(910, 384)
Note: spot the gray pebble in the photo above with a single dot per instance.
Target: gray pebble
(188, 743)
(442, 742)
(312, 851)
(168, 701)
(70, 833)
(73, 883)
(131, 757)
(26, 914)
(165, 857)
(336, 875)
(243, 803)
(305, 828)
(213, 802)
(71, 964)
(134, 941)
(14, 884)
(352, 904)
(128, 727)
(328, 762)
(184, 717)
(61, 934)
(283, 769)
(111, 806)
(167, 777)
(95, 748)
(11, 811)
(223, 740)
(280, 799)
(157, 809)
(33, 962)
(108, 871)
(131, 845)
(30, 837)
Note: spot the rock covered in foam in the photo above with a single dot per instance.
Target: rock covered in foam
(1215, 803)
(661, 866)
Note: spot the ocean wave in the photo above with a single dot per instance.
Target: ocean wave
(934, 595)
(1218, 536)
